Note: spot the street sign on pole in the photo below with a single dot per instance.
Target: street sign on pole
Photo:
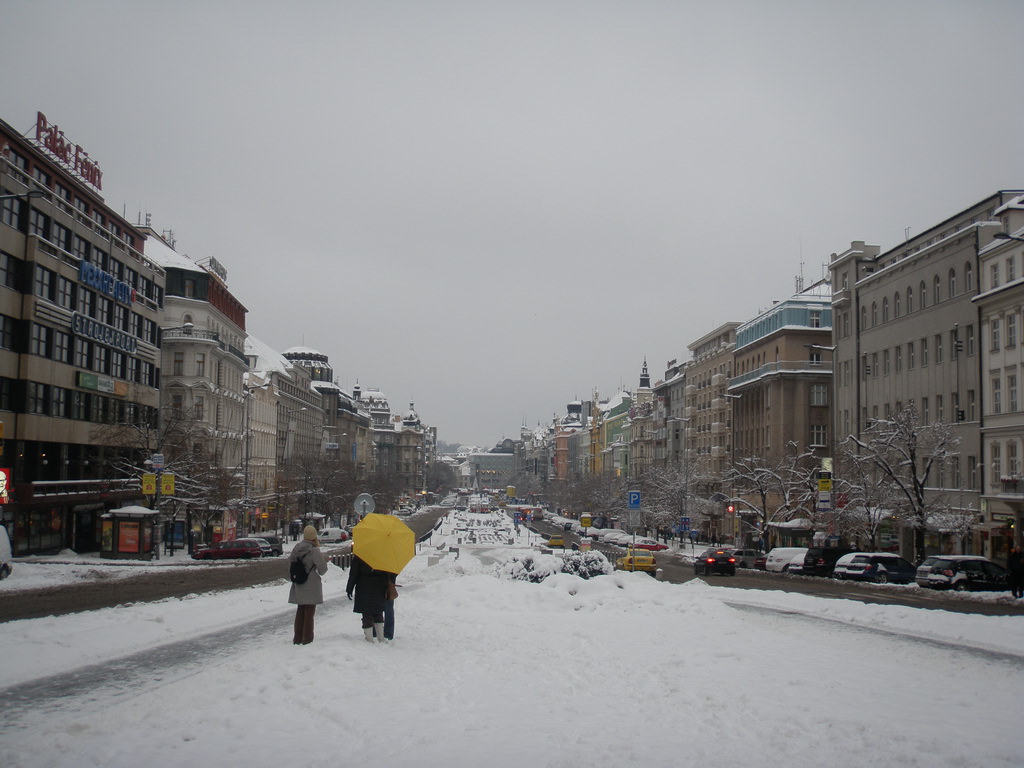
(633, 498)
(364, 504)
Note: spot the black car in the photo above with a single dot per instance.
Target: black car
(963, 573)
(276, 545)
(715, 561)
(819, 561)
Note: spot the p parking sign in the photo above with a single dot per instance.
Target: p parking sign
(633, 498)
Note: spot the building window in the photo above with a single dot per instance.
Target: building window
(885, 362)
(896, 305)
(911, 358)
(923, 290)
(197, 409)
(971, 405)
(86, 301)
(58, 402)
(874, 364)
(45, 284)
(898, 358)
(910, 300)
(200, 364)
(994, 276)
(39, 343)
(938, 348)
(995, 334)
(969, 332)
(1011, 330)
(997, 395)
(1011, 269)
(8, 270)
(940, 411)
(101, 359)
(874, 313)
(885, 310)
(178, 364)
(952, 283)
(924, 352)
(936, 290)
(1011, 392)
(925, 417)
(65, 293)
(36, 398)
(819, 394)
(995, 460)
(968, 277)
(819, 434)
(61, 347)
(6, 332)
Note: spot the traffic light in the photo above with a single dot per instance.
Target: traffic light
(731, 509)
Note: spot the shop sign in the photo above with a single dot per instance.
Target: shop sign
(105, 334)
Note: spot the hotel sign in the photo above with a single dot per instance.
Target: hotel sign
(71, 156)
(104, 282)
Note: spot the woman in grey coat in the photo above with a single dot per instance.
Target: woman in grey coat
(308, 595)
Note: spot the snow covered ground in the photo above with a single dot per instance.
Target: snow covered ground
(615, 670)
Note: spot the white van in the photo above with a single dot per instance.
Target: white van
(778, 559)
(333, 535)
(5, 554)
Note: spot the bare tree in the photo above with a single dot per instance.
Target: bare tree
(776, 492)
(668, 496)
(907, 452)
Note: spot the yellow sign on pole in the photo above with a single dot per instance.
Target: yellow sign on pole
(167, 485)
(148, 484)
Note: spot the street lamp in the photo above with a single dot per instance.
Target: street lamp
(1004, 236)
(248, 390)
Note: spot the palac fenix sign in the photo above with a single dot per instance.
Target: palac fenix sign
(71, 156)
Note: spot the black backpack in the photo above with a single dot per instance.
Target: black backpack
(298, 572)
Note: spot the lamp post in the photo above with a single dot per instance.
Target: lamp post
(247, 447)
(686, 477)
(1004, 236)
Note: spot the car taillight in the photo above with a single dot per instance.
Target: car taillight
(947, 572)
(711, 560)
(732, 559)
(820, 561)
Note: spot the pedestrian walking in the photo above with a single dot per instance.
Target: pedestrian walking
(308, 595)
(370, 587)
(1015, 565)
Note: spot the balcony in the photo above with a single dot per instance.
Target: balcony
(782, 367)
(1011, 485)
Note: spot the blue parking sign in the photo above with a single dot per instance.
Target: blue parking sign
(634, 499)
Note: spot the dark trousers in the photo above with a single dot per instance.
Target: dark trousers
(369, 619)
(389, 620)
(304, 624)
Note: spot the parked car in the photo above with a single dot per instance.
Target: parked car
(779, 558)
(333, 535)
(745, 558)
(819, 561)
(714, 561)
(879, 567)
(760, 560)
(5, 554)
(637, 560)
(265, 548)
(556, 541)
(794, 566)
(276, 545)
(964, 573)
(650, 545)
(224, 550)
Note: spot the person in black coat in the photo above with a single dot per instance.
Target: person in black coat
(370, 588)
(1015, 565)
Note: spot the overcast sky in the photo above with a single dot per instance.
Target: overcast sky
(493, 208)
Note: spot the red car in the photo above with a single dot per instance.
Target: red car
(236, 548)
(650, 545)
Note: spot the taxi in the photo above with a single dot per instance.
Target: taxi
(637, 560)
(556, 541)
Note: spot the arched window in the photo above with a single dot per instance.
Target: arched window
(863, 318)
(936, 290)
(885, 310)
(896, 305)
(952, 283)
(968, 277)
(924, 295)
(874, 313)
(910, 300)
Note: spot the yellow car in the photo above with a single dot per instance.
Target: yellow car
(637, 560)
(556, 541)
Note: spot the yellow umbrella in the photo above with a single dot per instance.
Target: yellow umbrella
(383, 542)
